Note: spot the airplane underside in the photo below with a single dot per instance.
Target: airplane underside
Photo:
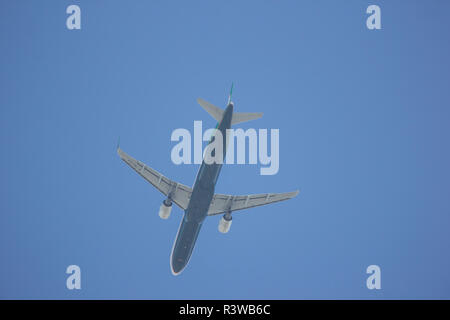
(201, 201)
(184, 244)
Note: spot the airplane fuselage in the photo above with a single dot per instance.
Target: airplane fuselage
(197, 210)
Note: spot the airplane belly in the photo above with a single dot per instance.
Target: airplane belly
(184, 244)
(199, 203)
(197, 210)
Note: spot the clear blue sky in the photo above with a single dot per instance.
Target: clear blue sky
(364, 133)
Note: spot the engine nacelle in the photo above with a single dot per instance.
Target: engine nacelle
(165, 209)
(225, 224)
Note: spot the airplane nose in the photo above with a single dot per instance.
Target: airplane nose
(178, 266)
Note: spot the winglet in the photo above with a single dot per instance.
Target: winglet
(118, 143)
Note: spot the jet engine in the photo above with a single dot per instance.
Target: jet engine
(165, 209)
(225, 223)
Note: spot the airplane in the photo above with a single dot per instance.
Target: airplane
(200, 201)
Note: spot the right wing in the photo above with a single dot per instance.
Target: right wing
(178, 193)
(223, 203)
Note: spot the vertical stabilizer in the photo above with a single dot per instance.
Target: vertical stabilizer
(231, 93)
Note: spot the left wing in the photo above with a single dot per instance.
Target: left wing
(222, 203)
(178, 193)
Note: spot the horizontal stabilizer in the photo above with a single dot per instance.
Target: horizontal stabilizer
(239, 117)
(214, 111)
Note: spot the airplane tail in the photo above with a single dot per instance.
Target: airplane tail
(238, 117)
(217, 113)
(231, 93)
